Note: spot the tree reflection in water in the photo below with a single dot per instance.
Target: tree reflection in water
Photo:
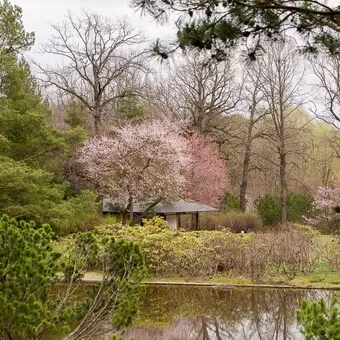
(195, 313)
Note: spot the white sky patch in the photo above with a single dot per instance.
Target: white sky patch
(39, 14)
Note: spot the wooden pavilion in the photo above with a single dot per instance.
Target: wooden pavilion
(171, 211)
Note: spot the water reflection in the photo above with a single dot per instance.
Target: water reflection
(178, 313)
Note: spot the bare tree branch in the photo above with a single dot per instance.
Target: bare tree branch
(97, 63)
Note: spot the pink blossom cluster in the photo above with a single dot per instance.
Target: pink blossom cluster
(144, 161)
(207, 175)
(325, 200)
(152, 161)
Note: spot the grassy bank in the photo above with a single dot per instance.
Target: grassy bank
(321, 280)
(306, 281)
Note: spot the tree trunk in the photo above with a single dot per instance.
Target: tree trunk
(283, 189)
(145, 212)
(246, 164)
(125, 217)
(131, 208)
(96, 121)
(100, 198)
(283, 162)
(97, 101)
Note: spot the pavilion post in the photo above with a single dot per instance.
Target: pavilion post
(194, 220)
(178, 221)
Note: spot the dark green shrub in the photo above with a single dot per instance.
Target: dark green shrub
(320, 321)
(230, 202)
(77, 214)
(31, 271)
(299, 205)
(27, 267)
(269, 208)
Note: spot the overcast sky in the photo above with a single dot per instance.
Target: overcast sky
(38, 14)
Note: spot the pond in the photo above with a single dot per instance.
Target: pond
(186, 312)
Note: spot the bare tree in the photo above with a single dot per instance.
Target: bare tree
(203, 95)
(281, 77)
(199, 90)
(97, 63)
(327, 70)
(254, 97)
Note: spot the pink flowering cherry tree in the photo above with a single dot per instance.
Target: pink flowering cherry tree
(143, 163)
(206, 176)
(326, 207)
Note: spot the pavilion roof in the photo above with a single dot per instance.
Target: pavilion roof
(182, 206)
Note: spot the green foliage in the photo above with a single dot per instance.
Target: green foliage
(26, 192)
(26, 134)
(122, 259)
(76, 114)
(269, 208)
(131, 108)
(74, 214)
(31, 302)
(115, 337)
(299, 205)
(320, 321)
(13, 37)
(156, 224)
(220, 25)
(207, 253)
(24, 129)
(230, 202)
(115, 297)
(330, 247)
(306, 228)
(32, 152)
(27, 269)
(32, 194)
(154, 237)
(112, 219)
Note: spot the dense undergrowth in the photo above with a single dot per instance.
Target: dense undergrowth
(283, 252)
